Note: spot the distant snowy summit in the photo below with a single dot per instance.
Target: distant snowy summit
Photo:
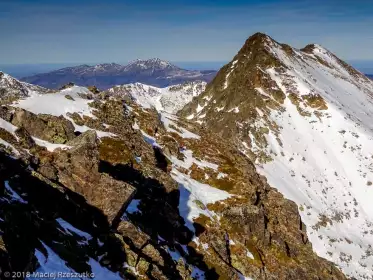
(153, 63)
(154, 72)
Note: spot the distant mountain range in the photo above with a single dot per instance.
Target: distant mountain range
(370, 76)
(154, 72)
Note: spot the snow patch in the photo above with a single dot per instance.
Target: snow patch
(13, 195)
(56, 104)
(194, 197)
(229, 73)
(68, 228)
(166, 120)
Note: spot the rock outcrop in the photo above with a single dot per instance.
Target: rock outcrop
(46, 127)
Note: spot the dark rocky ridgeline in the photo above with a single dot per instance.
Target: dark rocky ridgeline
(89, 186)
(235, 85)
(257, 218)
(29, 222)
(30, 225)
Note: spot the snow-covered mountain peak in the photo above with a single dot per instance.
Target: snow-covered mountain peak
(312, 48)
(153, 63)
(258, 42)
(261, 37)
(74, 69)
(305, 117)
(107, 66)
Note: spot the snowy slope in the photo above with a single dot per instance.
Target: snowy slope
(324, 162)
(38, 101)
(69, 100)
(170, 99)
(57, 104)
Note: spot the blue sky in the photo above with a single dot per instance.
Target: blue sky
(72, 31)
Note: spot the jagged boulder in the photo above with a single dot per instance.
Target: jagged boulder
(24, 138)
(5, 113)
(78, 170)
(94, 89)
(7, 136)
(141, 250)
(46, 127)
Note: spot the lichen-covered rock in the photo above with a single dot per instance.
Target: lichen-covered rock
(78, 169)
(94, 89)
(50, 128)
(68, 85)
(7, 136)
(6, 113)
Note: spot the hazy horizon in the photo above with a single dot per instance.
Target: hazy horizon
(79, 31)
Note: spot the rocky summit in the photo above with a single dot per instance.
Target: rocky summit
(264, 174)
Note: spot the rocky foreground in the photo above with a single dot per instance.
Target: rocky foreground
(94, 183)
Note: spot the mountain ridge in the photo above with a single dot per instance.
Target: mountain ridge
(135, 193)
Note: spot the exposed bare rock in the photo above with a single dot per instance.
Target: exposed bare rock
(24, 138)
(50, 128)
(6, 113)
(78, 169)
